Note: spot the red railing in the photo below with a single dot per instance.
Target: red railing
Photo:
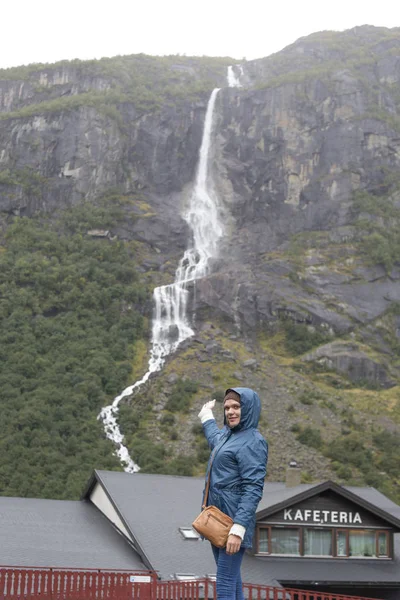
(206, 589)
(257, 592)
(74, 584)
(90, 584)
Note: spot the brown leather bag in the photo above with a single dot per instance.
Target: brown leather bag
(212, 523)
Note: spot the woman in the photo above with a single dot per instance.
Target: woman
(239, 462)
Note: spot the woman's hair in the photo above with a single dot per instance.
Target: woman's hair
(231, 395)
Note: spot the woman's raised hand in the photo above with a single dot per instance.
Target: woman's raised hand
(206, 412)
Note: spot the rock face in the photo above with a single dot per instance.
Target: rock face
(295, 154)
(347, 358)
(79, 155)
(313, 126)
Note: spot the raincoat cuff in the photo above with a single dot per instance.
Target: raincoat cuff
(238, 530)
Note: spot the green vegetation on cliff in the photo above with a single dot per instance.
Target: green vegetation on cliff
(146, 82)
(71, 313)
(321, 55)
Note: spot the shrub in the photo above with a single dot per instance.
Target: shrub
(388, 444)
(300, 337)
(350, 448)
(182, 465)
(342, 471)
(203, 451)
(150, 456)
(310, 437)
(182, 393)
(197, 429)
(167, 420)
(306, 399)
(173, 434)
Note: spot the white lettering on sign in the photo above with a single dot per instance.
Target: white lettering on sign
(321, 516)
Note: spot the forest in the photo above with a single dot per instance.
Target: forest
(72, 311)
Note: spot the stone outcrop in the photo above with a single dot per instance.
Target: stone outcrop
(349, 359)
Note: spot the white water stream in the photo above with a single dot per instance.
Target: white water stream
(171, 324)
(233, 79)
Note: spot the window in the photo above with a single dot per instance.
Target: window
(324, 541)
(189, 534)
(279, 540)
(285, 541)
(263, 539)
(362, 543)
(341, 543)
(383, 543)
(318, 542)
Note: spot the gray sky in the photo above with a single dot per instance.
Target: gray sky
(47, 31)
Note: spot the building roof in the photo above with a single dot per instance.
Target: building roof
(61, 533)
(377, 498)
(153, 507)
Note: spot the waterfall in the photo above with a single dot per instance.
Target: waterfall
(233, 79)
(171, 324)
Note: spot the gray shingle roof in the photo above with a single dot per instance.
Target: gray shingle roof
(374, 497)
(277, 491)
(155, 506)
(60, 533)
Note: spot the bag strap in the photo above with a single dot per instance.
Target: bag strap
(207, 485)
(217, 447)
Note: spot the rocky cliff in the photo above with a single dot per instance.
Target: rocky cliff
(306, 161)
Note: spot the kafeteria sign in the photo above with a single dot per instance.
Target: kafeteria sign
(341, 517)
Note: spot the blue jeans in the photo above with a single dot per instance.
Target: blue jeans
(229, 580)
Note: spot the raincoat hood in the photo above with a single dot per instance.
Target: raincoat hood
(250, 408)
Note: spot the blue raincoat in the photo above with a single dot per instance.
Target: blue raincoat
(239, 464)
